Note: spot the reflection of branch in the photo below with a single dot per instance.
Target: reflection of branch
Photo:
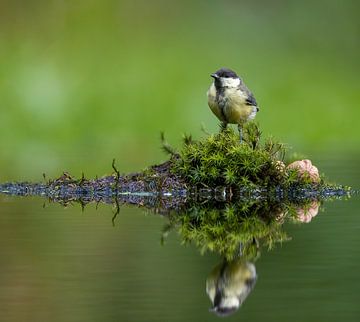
(116, 212)
(82, 204)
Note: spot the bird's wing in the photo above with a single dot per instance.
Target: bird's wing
(250, 100)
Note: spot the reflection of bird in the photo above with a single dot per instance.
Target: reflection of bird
(230, 100)
(229, 284)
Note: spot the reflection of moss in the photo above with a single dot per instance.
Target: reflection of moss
(220, 159)
(233, 229)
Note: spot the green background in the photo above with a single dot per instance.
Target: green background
(82, 82)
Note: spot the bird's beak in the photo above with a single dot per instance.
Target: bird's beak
(214, 76)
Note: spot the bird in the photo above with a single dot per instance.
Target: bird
(230, 100)
(229, 284)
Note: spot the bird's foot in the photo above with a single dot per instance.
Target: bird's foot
(223, 126)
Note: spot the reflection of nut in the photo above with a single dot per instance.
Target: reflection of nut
(306, 214)
(280, 217)
(305, 167)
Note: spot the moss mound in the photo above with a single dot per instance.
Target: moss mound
(220, 159)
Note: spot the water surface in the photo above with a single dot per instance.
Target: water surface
(63, 264)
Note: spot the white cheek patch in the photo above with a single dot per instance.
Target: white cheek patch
(230, 302)
(251, 117)
(251, 266)
(230, 82)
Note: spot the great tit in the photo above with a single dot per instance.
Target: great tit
(230, 100)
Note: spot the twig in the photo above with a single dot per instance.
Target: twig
(167, 148)
(117, 177)
(81, 181)
(204, 129)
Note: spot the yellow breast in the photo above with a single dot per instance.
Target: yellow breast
(214, 106)
(236, 110)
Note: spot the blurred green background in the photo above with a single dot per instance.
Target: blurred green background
(82, 82)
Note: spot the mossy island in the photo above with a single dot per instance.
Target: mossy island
(219, 164)
(217, 192)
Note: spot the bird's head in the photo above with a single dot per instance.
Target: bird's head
(226, 306)
(229, 284)
(225, 77)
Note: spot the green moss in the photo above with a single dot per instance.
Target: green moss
(220, 159)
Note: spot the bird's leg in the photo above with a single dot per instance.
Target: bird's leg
(241, 248)
(240, 132)
(223, 126)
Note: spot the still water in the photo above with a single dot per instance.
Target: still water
(63, 264)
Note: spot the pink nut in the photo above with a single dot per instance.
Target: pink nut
(305, 167)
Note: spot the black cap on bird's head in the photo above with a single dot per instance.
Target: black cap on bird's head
(224, 73)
